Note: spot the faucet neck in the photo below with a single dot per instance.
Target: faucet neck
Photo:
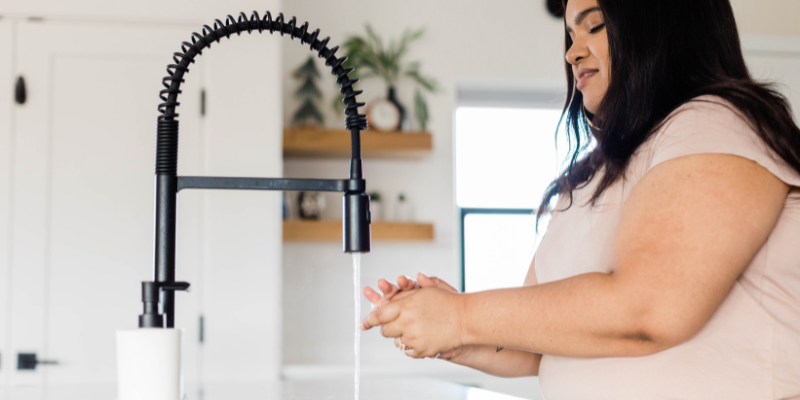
(355, 169)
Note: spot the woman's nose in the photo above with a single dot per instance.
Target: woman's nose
(577, 52)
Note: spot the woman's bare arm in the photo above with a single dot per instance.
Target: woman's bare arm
(498, 361)
(506, 363)
(687, 231)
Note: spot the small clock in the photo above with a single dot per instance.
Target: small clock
(311, 205)
(383, 115)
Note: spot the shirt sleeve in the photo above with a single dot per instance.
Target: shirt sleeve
(712, 126)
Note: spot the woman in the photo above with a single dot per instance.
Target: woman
(671, 266)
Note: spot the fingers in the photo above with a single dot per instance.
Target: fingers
(403, 295)
(392, 329)
(413, 353)
(408, 351)
(407, 283)
(398, 342)
(425, 281)
(387, 288)
(380, 316)
(433, 281)
(447, 356)
(372, 295)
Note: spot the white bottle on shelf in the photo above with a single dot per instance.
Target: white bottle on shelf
(403, 210)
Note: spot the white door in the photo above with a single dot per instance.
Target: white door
(83, 194)
(82, 232)
(7, 80)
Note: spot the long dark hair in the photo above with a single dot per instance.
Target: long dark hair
(664, 53)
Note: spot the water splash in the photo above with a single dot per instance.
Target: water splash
(357, 338)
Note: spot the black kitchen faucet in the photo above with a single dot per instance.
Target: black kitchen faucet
(158, 296)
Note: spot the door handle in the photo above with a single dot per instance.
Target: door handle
(29, 361)
(20, 92)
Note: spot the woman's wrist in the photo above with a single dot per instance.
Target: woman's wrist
(464, 319)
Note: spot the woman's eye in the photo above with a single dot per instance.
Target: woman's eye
(597, 28)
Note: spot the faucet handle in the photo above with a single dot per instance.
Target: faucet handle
(175, 286)
(151, 293)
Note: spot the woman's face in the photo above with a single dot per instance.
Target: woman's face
(589, 52)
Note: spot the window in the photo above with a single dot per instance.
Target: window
(505, 158)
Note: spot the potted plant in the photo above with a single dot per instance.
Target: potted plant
(308, 92)
(372, 58)
(375, 206)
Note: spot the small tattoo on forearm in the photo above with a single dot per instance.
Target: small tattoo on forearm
(498, 349)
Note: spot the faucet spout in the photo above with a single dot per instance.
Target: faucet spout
(356, 226)
(158, 296)
(356, 232)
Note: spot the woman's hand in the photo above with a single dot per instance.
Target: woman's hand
(405, 283)
(389, 290)
(427, 321)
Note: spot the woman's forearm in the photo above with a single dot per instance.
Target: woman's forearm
(507, 363)
(584, 316)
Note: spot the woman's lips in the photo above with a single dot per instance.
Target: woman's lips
(584, 75)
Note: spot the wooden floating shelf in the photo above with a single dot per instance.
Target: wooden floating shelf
(336, 144)
(331, 231)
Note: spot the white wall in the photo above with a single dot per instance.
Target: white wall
(240, 249)
(767, 17)
(149, 11)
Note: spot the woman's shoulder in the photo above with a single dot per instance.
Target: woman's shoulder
(712, 125)
(709, 112)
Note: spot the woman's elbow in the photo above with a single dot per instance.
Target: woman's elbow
(657, 333)
(652, 322)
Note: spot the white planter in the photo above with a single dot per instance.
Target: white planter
(149, 364)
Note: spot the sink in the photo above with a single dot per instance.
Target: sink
(339, 389)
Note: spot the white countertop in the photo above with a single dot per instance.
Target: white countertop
(371, 389)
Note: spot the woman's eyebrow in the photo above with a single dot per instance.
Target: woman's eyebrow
(583, 14)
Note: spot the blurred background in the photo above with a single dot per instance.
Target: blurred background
(459, 93)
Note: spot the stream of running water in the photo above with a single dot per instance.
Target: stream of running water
(357, 337)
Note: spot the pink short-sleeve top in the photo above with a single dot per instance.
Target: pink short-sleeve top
(750, 348)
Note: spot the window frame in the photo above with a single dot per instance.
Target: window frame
(500, 94)
(482, 211)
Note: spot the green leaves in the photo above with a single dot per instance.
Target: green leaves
(370, 55)
(421, 110)
(308, 69)
(308, 112)
(308, 91)
(373, 59)
(428, 83)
